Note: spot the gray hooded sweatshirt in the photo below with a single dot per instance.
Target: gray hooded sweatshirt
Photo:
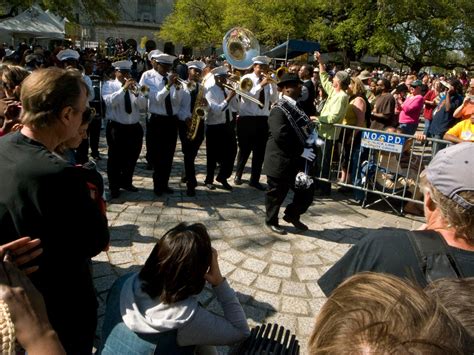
(196, 325)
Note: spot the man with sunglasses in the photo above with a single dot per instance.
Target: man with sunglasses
(44, 196)
(124, 131)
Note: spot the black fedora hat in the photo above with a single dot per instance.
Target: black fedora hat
(288, 78)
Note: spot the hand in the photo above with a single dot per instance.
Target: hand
(230, 95)
(173, 78)
(21, 251)
(317, 57)
(420, 136)
(128, 84)
(308, 154)
(28, 312)
(264, 81)
(214, 276)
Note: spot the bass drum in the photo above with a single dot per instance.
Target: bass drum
(240, 45)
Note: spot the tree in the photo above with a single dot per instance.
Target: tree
(417, 34)
(195, 23)
(93, 10)
(424, 34)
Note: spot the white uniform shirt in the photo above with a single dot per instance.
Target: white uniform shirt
(159, 92)
(114, 98)
(248, 108)
(217, 106)
(88, 82)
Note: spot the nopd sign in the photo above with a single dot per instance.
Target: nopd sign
(382, 141)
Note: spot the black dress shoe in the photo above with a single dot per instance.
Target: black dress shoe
(96, 156)
(191, 192)
(130, 188)
(296, 222)
(237, 180)
(275, 229)
(210, 186)
(257, 185)
(225, 184)
(168, 190)
(114, 193)
(158, 192)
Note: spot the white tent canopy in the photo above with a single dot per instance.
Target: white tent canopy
(34, 22)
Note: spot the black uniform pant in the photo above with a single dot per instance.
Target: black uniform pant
(221, 147)
(125, 144)
(162, 137)
(277, 190)
(252, 135)
(94, 135)
(190, 149)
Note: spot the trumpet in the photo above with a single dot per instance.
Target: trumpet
(139, 89)
(189, 84)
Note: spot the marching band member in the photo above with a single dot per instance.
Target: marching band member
(190, 147)
(252, 125)
(124, 132)
(287, 152)
(220, 130)
(165, 105)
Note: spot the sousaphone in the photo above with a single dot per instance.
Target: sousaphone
(240, 46)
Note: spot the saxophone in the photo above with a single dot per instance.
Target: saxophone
(198, 114)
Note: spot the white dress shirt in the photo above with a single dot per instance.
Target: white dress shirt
(217, 105)
(159, 92)
(114, 98)
(248, 108)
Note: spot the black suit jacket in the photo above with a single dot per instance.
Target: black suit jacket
(308, 105)
(284, 149)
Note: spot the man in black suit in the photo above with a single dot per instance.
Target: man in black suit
(308, 92)
(288, 152)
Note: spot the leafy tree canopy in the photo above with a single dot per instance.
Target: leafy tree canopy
(421, 33)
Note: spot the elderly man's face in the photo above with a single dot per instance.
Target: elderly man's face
(75, 118)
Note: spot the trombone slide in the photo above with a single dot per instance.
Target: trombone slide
(244, 95)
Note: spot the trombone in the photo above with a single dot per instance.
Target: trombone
(243, 93)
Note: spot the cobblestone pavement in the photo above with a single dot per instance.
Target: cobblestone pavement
(274, 276)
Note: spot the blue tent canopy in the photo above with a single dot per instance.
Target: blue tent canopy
(294, 47)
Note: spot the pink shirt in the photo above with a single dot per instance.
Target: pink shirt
(411, 109)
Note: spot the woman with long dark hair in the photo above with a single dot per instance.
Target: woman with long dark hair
(155, 311)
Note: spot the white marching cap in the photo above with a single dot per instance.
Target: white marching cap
(196, 64)
(68, 54)
(164, 58)
(153, 54)
(261, 59)
(122, 65)
(220, 71)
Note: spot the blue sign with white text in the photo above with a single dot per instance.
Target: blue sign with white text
(382, 141)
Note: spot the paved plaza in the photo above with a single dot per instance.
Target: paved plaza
(274, 276)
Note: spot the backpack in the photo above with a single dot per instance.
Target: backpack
(434, 257)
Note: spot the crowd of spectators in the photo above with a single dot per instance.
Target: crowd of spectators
(53, 310)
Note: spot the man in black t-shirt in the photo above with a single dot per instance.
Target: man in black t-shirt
(45, 197)
(449, 207)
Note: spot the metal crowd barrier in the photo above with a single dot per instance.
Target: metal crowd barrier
(377, 162)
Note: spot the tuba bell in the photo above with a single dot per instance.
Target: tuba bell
(240, 46)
